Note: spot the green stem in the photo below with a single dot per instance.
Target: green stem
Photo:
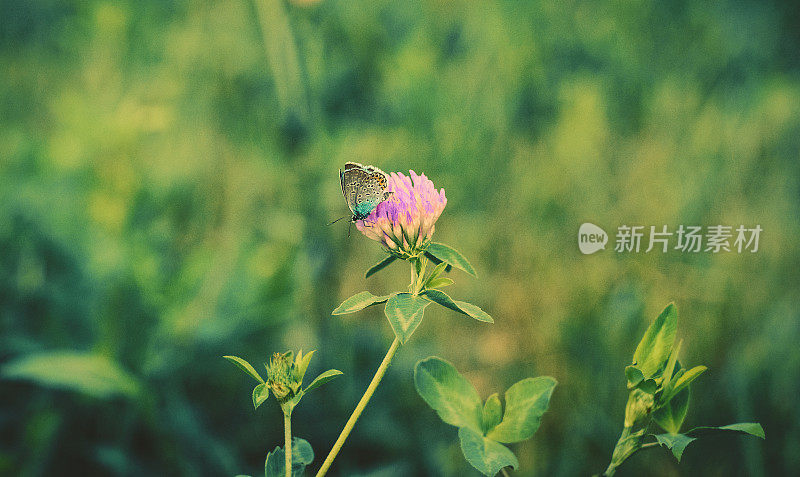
(287, 437)
(420, 279)
(628, 444)
(348, 427)
(414, 275)
(505, 472)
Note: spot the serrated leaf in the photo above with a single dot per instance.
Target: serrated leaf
(445, 390)
(492, 413)
(323, 378)
(439, 283)
(463, 307)
(656, 345)
(380, 266)
(752, 428)
(526, 402)
(671, 415)
(452, 256)
(675, 442)
(260, 394)
(404, 312)
(91, 374)
(486, 455)
(302, 455)
(359, 301)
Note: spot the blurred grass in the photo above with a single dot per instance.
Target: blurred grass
(167, 168)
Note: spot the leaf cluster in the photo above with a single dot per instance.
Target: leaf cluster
(405, 309)
(659, 391)
(299, 365)
(483, 427)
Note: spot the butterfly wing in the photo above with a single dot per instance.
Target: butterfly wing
(353, 180)
(372, 193)
(363, 188)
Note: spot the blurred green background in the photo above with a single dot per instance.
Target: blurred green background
(167, 169)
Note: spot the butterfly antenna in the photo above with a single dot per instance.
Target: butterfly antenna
(340, 218)
(348, 229)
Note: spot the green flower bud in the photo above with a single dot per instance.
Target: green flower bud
(281, 377)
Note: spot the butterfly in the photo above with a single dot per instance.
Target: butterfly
(363, 187)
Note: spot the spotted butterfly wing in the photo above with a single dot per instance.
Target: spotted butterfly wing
(363, 187)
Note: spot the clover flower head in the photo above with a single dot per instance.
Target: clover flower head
(404, 223)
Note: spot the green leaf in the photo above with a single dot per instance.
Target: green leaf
(302, 362)
(436, 261)
(380, 266)
(486, 455)
(463, 307)
(526, 401)
(245, 366)
(648, 386)
(634, 376)
(672, 367)
(417, 266)
(405, 312)
(323, 378)
(675, 442)
(752, 428)
(445, 390)
(359, 301)
(452, 256)
(671, 415)
(439, 283)
(492, 413)
(302, 455)
(682, 380)
(435, 273)
(656, 345)
(260, 394)
(91, 374)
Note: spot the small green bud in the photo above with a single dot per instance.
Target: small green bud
(281, 377)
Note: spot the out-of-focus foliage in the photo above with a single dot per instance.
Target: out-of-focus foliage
(167, 168)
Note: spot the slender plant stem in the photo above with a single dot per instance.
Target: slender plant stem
(420, 276)
(348, 427)
(287, 437)
(505, 472)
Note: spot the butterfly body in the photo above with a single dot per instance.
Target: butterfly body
(363, 187)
